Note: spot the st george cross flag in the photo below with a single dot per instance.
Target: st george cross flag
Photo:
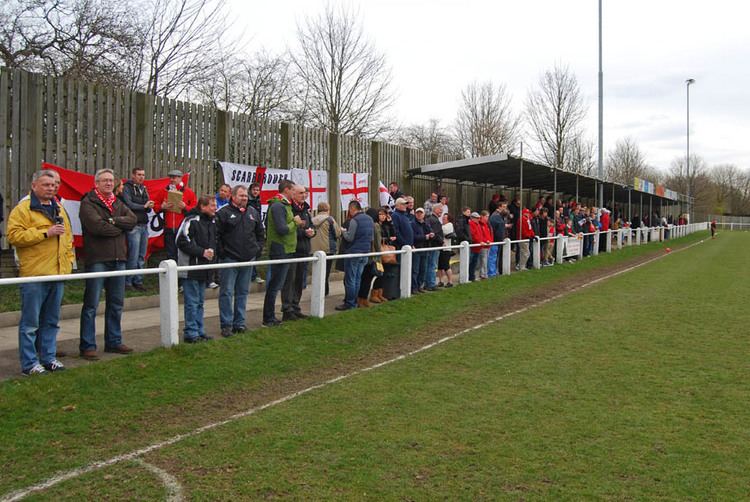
(353, 186)
(268, 179)
(316, 183)
(74, 185)
(385, 196)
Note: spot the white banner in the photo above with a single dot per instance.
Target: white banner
(354, 186)
(572, 246)
(316, 183)
(268, 179)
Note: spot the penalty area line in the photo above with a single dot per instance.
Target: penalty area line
(135, 454)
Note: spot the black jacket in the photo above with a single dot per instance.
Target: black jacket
(497, 224)
(420, 231)
(135, 197)
(239, 234)
(196, 234)
(461, 227)
(254, 203)
(303, 241)
(436, 228)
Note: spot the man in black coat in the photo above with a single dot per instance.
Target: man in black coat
(240, 238)
(291, 293)
(196, 245)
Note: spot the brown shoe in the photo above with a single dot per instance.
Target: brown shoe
(382, 298)
(374, 296)
(119, 349)
(89, 355)
(363, 303)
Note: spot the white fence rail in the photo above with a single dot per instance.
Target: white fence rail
(732, 226)
(168, 270)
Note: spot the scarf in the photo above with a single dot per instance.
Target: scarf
(108, 201)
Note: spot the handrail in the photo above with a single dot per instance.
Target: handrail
(168, 270)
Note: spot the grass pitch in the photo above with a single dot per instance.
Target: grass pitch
(633, 388)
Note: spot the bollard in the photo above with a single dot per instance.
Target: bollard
(595, 249)
(318, 286)
(638, 237)
(608, 245)
(559, 248)
(169, 317)
(620, 234)
(406, 272)
(536, 250)
(464, 255)
(506, 256)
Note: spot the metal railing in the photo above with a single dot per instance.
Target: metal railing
(168, 270)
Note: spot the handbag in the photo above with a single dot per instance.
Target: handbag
(388, 259)
(376, 269)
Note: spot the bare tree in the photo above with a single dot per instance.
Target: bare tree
(625, 162)
(181, 44)
(554, 114)
(581, 155)
(90, 40)
(486, 124)
(700, 183)
(430, 137)
(344, 83)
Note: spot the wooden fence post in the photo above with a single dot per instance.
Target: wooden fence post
(375, 174)
(405, 157)
(286, 146)
(333, 175)
(144, 137)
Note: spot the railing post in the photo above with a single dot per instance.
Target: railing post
(506, 256)
(560, 244)
(595, 249)
(638, 237)
(318, 291)
(580, 248)
(464, 255)
(536, 250)
(620, 235)
(608, 244)
(661, 234)
(168, 304)
(406, 272)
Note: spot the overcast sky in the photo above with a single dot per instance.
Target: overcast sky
(650, 48)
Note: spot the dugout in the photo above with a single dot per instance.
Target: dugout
(510, 174)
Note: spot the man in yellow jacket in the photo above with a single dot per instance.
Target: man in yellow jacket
(39, 229)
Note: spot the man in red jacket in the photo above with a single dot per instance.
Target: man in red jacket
(526, 233)
(173, 214)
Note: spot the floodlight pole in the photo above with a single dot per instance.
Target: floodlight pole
(687, 158)
(601, 112)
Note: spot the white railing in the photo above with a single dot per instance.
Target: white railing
(731, 226)
(168, 270)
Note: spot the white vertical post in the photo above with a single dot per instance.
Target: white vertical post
(661, 234)
(506, 256)
(620, 234)
(559, 243)
(169, 316)
(595, 249)
(464, 255)
(580, 248)
(536, 249)
(318, 291)
(406, 272)
(638, 236)
(608, 244)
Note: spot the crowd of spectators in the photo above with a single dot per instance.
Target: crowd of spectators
(228, 228)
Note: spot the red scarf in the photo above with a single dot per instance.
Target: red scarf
(109, 201)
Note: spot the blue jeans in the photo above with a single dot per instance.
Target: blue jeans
(114, 298)
(137, 244)
(418, 261)
(195, 295)
(234, 286)
(40, 314)
(353, 278)
(275, 279)
(492, 261)
(430, 265)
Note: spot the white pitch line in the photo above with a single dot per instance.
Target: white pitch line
(74, 473)
(174, 488)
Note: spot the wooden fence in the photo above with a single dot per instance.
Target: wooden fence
(84, 127)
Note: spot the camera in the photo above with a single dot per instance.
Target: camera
(59, 220)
